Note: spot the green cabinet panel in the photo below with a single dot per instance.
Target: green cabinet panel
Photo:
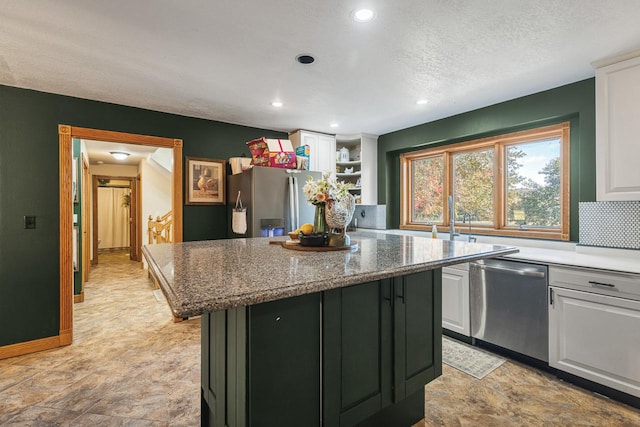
(213, 368)
(261, 364)
(284, 360)
(418, 331)
(356, 352)
(382, 344)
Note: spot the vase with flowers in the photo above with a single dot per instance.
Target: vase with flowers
(323, 192)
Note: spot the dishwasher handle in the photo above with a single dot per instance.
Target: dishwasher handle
(520, 272)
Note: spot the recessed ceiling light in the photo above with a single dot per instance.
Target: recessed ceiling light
(363, 15)
(422, 101)
(333, 125)
(119, 155)
(276, 104)
(99, 162)
(305, 59)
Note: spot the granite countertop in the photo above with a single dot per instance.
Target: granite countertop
(200, 277)
(567, 254)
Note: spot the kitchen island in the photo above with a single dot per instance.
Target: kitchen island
(314, 338)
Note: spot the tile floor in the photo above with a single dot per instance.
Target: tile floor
(130, 365)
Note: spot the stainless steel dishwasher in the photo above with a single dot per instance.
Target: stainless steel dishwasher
(508, 304)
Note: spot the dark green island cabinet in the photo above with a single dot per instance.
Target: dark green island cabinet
(356, 355)
(299, 338)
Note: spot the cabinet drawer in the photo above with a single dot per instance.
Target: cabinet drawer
(614, 284)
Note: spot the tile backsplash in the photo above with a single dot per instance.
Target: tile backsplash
(610, 224)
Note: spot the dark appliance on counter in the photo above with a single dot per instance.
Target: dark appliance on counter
(508, 304)
(274, 200)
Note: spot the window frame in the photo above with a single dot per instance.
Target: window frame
(499, 143)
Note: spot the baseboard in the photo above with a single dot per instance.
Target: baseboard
(33, 346)
(78, 298)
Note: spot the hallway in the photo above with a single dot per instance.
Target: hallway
(129, 364)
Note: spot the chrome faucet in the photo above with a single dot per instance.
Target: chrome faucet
(467, 217)
(452, 220)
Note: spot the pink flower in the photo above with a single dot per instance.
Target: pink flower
(321, 197)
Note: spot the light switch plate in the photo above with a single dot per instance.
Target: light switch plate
(29, 221)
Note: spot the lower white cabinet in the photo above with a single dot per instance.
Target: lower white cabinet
(455, 299)
(596, 337)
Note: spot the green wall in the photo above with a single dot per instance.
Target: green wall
(574, 102)
(29, 184)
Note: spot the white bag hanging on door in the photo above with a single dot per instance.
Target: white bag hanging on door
(239, 218)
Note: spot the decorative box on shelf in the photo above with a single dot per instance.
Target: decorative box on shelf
(276, 153)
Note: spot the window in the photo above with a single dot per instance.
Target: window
(428, 199)
(510, 185)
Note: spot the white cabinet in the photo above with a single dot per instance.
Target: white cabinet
(455, 299)
(322, 149)
(618, 128)
(362, 168)
(593, 335)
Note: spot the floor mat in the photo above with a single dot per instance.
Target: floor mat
(468, 359)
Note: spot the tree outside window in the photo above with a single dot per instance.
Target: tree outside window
(513, 185)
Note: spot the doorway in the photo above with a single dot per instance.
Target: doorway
(115, 216)
(65, 135)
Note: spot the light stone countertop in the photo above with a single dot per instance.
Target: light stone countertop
(557, 253)
(206, 276)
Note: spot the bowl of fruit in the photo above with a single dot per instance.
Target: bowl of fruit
(309, 238)
(313, 239)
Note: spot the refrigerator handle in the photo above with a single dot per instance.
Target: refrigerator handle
(292, 212)
(296, 202)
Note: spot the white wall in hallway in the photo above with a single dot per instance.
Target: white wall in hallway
(155, 192)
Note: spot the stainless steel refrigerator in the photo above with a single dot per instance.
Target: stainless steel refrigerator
(274, 200)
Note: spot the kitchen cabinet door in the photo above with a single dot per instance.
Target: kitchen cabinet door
(322, 149)
(618, 128)
(417, 332)
(455, 300)
(326, 153)
(596, 337)
(382, 344)
(357, 379)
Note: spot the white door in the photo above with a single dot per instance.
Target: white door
(596, 337)
(455, 300)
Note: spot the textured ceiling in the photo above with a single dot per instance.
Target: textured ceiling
(228, 59)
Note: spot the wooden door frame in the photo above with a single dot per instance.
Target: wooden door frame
(65, 135)
(132, 213)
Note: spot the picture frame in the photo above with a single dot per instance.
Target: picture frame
(205, 181)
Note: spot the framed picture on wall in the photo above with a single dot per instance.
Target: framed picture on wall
(205, 181)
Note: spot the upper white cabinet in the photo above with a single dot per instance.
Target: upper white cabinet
(361, 167)
(618, 128)
(322, 149)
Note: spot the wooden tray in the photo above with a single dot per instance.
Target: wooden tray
(299, 247)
